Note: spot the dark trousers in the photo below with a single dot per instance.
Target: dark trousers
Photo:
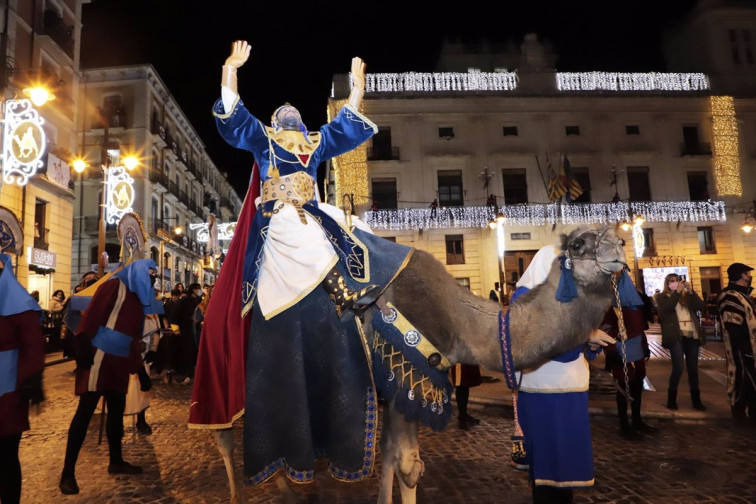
(463, 395)
(116, 403)
(684, 353)
(10, 469)
(744, 408)
(636, 391)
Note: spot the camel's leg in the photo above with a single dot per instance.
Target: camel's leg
(401, 456)
(288, 496)
(225, 440)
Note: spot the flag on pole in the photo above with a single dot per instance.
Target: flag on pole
(574, 189)
(556, 187)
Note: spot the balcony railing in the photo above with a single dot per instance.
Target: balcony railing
(158, 177)
(700, 149)
(56, 29)
(383, 153)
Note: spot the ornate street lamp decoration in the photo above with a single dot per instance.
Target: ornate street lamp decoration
(119, 187)
(24, 141)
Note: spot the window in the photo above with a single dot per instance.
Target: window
(446, 133)
(509, 130)
(450, 188)
(384, 193)
(519, 236)
(692, 146)
(515, 186)
(40, 223)
(155, 204)
(734, 46)
(464, 282)
(698, 186)
(382, 150)
(637, 183)
(711, 280)
(706, 240)
(632, 129)
(572, 130)
(649, 245)
(455, 253)
(584, 179)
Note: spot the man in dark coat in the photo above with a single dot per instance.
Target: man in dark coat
(184, 316)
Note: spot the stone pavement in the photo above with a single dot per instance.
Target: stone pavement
(692, 458)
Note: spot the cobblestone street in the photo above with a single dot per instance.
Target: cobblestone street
(684, 462)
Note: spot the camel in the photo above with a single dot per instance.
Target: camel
(465, 328)
(27, 144)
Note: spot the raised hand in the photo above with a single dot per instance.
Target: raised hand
(240, 50)
(358, 73)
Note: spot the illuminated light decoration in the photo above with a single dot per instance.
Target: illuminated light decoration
(425, 82)
(546, 214)
(225, 231)
(622, 81)
(725, 146)
(24, 142)
(119, 187)
(639, 241)
(350, 169)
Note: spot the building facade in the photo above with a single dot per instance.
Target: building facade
(40, 46)
(130, 111)
(678, 149)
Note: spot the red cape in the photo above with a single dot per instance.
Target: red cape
(219, 379)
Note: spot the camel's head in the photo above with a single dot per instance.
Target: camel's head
(595, 253)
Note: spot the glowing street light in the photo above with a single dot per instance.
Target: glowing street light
(38, 95)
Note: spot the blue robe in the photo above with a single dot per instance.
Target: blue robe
(309, 392)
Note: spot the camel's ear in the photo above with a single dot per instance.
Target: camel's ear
(563, 241)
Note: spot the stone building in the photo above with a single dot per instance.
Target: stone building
(487, 133)
(130, 111)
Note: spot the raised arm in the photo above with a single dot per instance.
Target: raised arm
(358, 82)
(239, 55)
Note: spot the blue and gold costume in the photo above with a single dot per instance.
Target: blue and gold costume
(309, 390)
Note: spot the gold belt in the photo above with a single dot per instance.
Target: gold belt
(295, 189)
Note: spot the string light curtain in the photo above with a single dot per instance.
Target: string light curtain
(725, 146)
(350, 169)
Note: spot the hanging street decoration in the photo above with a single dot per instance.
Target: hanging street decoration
(472, 80)
(119, 187)
(24, 141)
(11, 236)
(626, 81)
(546, 214)
(225, 231)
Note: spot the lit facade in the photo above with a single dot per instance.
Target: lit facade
(41, 47)
(631, 138)
(131, 111)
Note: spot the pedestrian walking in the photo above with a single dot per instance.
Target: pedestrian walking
(682, 335)
(22, 359)
(108, 348)
(738, 312)
(185, 318)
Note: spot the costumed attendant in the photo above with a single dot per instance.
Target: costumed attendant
(738, 312)
(628, 372)
(138, 400)
(108, 348)
(298, 272)
(463, 377)
(22, 359)
(552, 407)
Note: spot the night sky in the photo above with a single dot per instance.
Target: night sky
(298, 46)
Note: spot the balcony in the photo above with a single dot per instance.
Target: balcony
(183, 198)
(54, 27)
(383, 153)
(173, 188)
(697, 149)
(158, 177)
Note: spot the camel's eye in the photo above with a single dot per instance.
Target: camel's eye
(577, 244)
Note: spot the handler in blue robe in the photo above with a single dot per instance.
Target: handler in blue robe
(309, 391)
